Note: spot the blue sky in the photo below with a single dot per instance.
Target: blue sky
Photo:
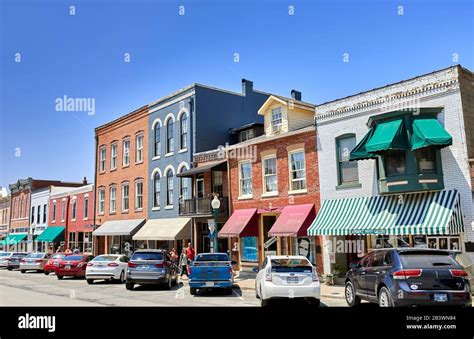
(82, 56)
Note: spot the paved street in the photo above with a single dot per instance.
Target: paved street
(36, 289)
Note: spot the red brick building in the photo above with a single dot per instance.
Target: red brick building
(121, 181)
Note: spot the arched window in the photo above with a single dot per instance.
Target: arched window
(169, 187)
(156, 189)
(169, 137)
(184, 131)
(157, 140)
(185, 186)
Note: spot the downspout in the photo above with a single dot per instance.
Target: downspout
(94, 243)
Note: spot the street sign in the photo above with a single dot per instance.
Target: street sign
(211, 225)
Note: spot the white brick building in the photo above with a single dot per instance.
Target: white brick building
(349, 116)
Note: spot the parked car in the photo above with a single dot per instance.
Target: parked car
(151, 267)
(408, 277)
(14, 260)
(210, 271)
(73, 265)
(467, 264)
(4, 258)
(287, 276)
(53, 262)
(34, 262)
(107, 267)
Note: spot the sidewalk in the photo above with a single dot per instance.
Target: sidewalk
(335, 292)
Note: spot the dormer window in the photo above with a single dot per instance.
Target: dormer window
(277, 120)
(246, 135)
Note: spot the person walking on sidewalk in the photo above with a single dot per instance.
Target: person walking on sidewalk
(183, 262)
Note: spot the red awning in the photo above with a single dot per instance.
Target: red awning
(293, 221)
(242, 223)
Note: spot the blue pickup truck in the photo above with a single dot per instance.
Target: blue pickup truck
(211, 271)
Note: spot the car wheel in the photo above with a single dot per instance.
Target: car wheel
(350, 294)
(60, 277)
(385, 300)
(122, 277)
(9, 268)
(46, 273)
(90, 281)
(22, 271)
(192, 290)
(129, 286)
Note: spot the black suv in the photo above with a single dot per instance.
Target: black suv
(407, 277)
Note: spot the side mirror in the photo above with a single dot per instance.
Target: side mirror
(255, 269)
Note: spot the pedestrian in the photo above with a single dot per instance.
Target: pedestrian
(190, 252)
(183, 262)
(68, 251)
(76, 251)
(174, 255)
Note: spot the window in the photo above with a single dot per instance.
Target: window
(21, 208)
(157, 140)
(270, 177)
(246, 135)
(139, 148)
(169, 188)
(348, 171)
(245, 174)
(113, 199)
(425, 159)
(54, 212)
(184, 131)
(74, 209)
(38, 216)
(33, 214)
(101, 200)
(113, 156)
(169, 137)
(217, 184)
(126, 152)
(72, 240)
(63, 210)
(277, 120)
(44, 213)
(297, 171)
(86, 207)
(156, 190)
(139, 195)
(125, 200)
(102, 154)
(395, 163)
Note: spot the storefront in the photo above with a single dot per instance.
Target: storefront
(16, 242)
(51, 238)
(118, 236)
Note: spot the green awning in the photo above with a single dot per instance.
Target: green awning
(13, 239)
(51, 234)
(417, 213)
(429, 132)
(388, 135)
(360, 152)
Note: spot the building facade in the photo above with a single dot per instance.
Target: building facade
(38, 215)
(5, 202)
(395, 163)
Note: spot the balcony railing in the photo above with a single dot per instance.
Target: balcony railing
(202, 206)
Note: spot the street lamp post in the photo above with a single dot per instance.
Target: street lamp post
(215, 203)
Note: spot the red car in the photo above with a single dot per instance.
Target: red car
(73, 265)
(53, 262)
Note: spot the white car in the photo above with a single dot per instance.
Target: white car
(107, 267)
(4, 258)
(283, 276)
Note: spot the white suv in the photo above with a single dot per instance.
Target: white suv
(283, 276)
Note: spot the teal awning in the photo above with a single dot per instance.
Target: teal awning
(429, 132)
(417, 213)
(360, 151)
(388, 135)
(13, 239)
(51, 234)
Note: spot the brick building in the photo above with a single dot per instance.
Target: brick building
(121, 176)
(5, 202)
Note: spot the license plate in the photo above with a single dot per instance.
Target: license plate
(67, 267)
(440, 297)
(145, 266)
(209, 284)
(292, 280)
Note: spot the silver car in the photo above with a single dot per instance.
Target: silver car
(4, 258)
(34, 262)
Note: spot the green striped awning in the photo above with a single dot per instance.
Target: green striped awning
(414, 213)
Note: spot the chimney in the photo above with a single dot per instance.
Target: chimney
(295, 95)
(84, 181)
(247, 86)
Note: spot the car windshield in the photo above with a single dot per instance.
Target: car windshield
(147, 256)
(291, 265)
(212, 257)
(426, 259)
(58, 256)
(73, 257)
(105, 258)
(5, 254)
(35, 255)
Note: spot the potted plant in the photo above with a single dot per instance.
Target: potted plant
(339, 273)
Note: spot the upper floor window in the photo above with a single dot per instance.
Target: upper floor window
(426, 160)
(139, 148)
(86, 208)
(126, 152)
(297, 171)
(245, 178)
(113, 156)
(38, 216)
(44, 213)
(138, 195)
(169, 188)
(54, 212)
(348, 171)
(169, 137)
(102, 154)
(63, 210)
(156, 190)
(101, 200)
(74, 209)
(277, 119)
(33, 214)
(184, 131)
(217, 183)
(395, 163)
(270, 176)
(21, 207)
(125, 197)
(113, 199)
(246, 135)
(157, 134)
(185, 184)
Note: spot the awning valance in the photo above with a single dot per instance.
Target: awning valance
(429, 132)
(119, 227)
(242, 223)
(52, 234)
(415, 213)
(165, 229)
(293, 221)
(388, 135)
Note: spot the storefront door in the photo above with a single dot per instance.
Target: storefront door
(268, 221)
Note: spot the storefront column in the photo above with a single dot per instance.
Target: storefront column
(326, 254)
